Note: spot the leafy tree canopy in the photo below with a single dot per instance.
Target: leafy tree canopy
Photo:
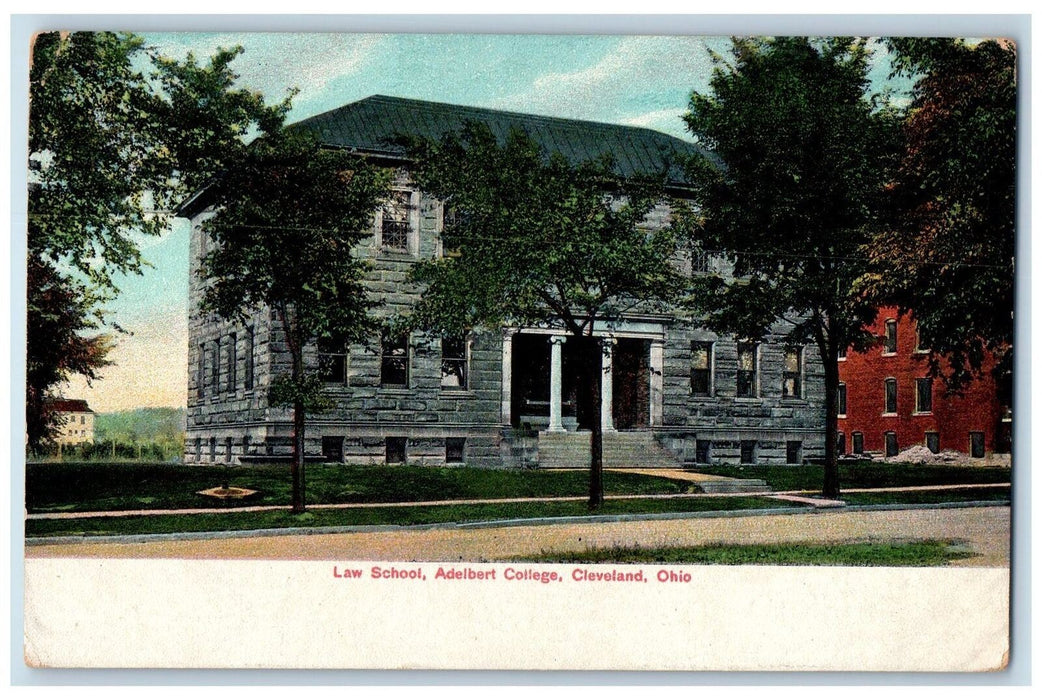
(287, 214)
(947, 255)
(802, 158)
(534, 240)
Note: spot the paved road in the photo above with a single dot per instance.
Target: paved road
(986, 531)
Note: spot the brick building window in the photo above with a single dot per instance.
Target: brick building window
(394, 361)
(890, 395)
(454, 450)
(247, 370)
(747, 361)
(933, 442)
(794, 452)
(454, 362)
(924, 395)
(703, 449)
(841, 443)
(332, 362)
(890, 337)
(857, 443)
(841, 399)
(748, 451)
(977, 445)
(701, 368)
(841, 354)
(890, 440)
(395, 218)
(394, 450)
(792, 374)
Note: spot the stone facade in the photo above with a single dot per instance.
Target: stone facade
(486, 400)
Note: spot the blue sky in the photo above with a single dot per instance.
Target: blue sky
(638, 80)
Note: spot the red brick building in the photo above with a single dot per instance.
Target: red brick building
(887, 402)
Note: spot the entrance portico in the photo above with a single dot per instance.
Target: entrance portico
(541, 370)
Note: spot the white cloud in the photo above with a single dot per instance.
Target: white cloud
(605, 90)
(274, 63)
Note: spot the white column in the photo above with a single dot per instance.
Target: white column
(555, 383)
(508, 366)
(607, 355)
(655, 362)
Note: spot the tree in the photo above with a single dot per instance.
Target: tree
(947, 254)
(793, 192)
(287, 214)
(109, 149)
(539, 241)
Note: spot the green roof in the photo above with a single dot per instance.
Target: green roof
(371, 125)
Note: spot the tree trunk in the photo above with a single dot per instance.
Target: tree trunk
(829, 358)
(297, 467)
(592, 364)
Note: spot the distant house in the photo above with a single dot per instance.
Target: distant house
(76, 421)
(675, 392)
(888, 402)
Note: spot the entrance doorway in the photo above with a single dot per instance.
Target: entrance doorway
(631, 376)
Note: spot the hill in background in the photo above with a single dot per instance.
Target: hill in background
(142, 425)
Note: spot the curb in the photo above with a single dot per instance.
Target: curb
(488, 524)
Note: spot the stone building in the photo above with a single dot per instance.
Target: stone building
(674, 392)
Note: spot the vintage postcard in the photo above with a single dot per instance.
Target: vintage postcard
(519, 351)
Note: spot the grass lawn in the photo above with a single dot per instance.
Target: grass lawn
(860, 475)
(917, 553)
(154, 524)
(998, 493)
(73, 487)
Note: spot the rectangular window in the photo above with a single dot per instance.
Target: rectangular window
(216, 366)
(924, 395)
(394, 361)
(332, 362)
(394, 222)
(792, 374)
(747, 370)
(213, 449)
(701, 368)
(890, 396)
(890, 438)
(228, 450)
(699, 261)
(394, 450)
(748, 452)
(919, 342)
(454, 450)
(841, 443)
(202, 371)
(890, 339)
(794, 452)
(232, 360)
(333, 448)
(842, 354)
(198, 449)
(933, 442)
(702, 451)
(454, 363)
(247, 379)
(245, 446)
(977, 445)
(841, 399)
(857, 443)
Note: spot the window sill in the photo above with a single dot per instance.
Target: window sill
(458, 394)
(841, 415)
(701, 397)
(395, 389)
(889, 415)
(922, 413)
(888, 354)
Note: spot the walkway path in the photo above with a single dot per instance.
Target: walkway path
(985, 530)
(804, 497)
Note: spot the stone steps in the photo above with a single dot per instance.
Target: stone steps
(620, 449)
